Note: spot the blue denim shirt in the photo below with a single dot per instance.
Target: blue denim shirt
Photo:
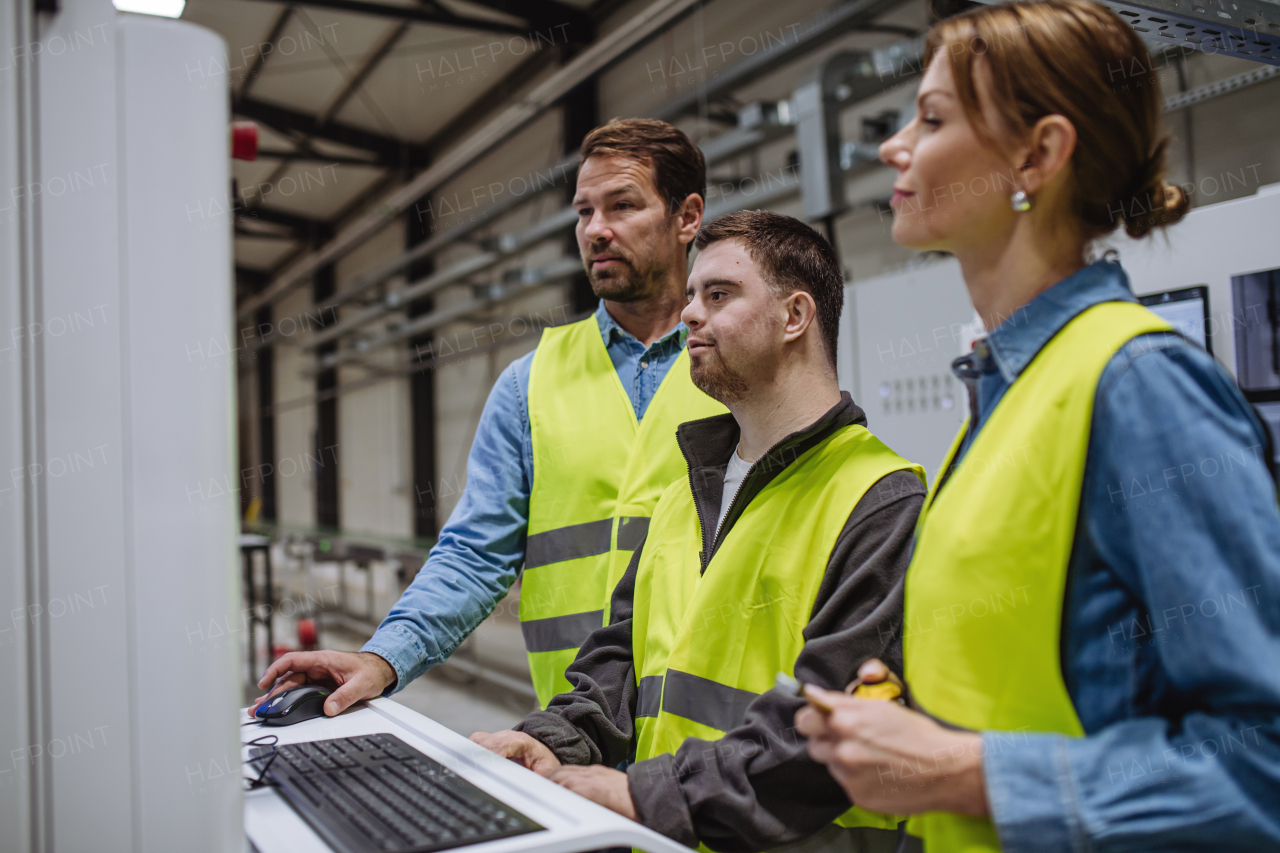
(481, 547)
(1171, 626)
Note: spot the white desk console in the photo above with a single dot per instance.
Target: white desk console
(572, 823)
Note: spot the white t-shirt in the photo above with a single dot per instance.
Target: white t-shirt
(734, 474)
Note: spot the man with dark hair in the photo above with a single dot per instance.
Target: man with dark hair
(575, 444)
(790, 259)
(784, 549)
(679, 169)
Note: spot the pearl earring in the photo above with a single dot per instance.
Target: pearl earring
(1020, 201)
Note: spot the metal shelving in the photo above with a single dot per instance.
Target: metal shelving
(1249, 29)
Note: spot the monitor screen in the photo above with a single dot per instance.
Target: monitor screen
(1255, 323)
(1187, 309)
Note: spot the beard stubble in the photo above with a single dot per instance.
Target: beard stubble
(716, 379)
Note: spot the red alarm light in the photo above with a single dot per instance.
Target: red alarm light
(307, 633)
(244, 140)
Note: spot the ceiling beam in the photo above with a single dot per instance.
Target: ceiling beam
(364, 198)
(357, 80)
(241, 231)
(352, 82)
(261, 59)
(601, 54)
(436, 15)
(392, 153)
(499, 93)
(310, 155)
(548, 16)
(302, 226)
(322, 227)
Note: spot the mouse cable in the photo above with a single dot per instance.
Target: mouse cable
(255, 784)
(264, 741)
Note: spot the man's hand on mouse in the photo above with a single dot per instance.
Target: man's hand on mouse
(520, 748)
(351, 676)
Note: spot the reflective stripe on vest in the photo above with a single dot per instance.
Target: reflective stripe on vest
(707, 644)
(588, 539)
(984, 592)
(557, 633)
(649, 699)
(596, 475)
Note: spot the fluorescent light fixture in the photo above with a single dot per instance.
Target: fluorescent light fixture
(166, 8)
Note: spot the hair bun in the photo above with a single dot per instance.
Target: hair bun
(1176, 202)
(1164, 204)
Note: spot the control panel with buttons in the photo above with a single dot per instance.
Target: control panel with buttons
(907, 328)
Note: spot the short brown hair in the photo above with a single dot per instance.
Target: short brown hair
(679, 169)
(791, 256)
(1076, 59)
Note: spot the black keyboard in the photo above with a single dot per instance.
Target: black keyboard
(377, 793)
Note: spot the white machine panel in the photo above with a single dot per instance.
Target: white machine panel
(182, 431)
(572, 824)
(910, 326)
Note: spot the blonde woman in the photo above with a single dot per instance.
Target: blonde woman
(1092, 611)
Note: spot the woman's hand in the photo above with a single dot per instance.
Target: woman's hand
(891, 759)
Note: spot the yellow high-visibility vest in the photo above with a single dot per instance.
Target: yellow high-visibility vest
(984, 592)
(597, 474)
(706, 644)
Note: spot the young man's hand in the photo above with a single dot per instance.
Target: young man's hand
(522, 749)
(351, 677)
(602, 785)
(892, 759)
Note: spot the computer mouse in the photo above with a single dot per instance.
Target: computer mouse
(294, 706)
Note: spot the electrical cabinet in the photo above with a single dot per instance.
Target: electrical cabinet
(907, 328)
